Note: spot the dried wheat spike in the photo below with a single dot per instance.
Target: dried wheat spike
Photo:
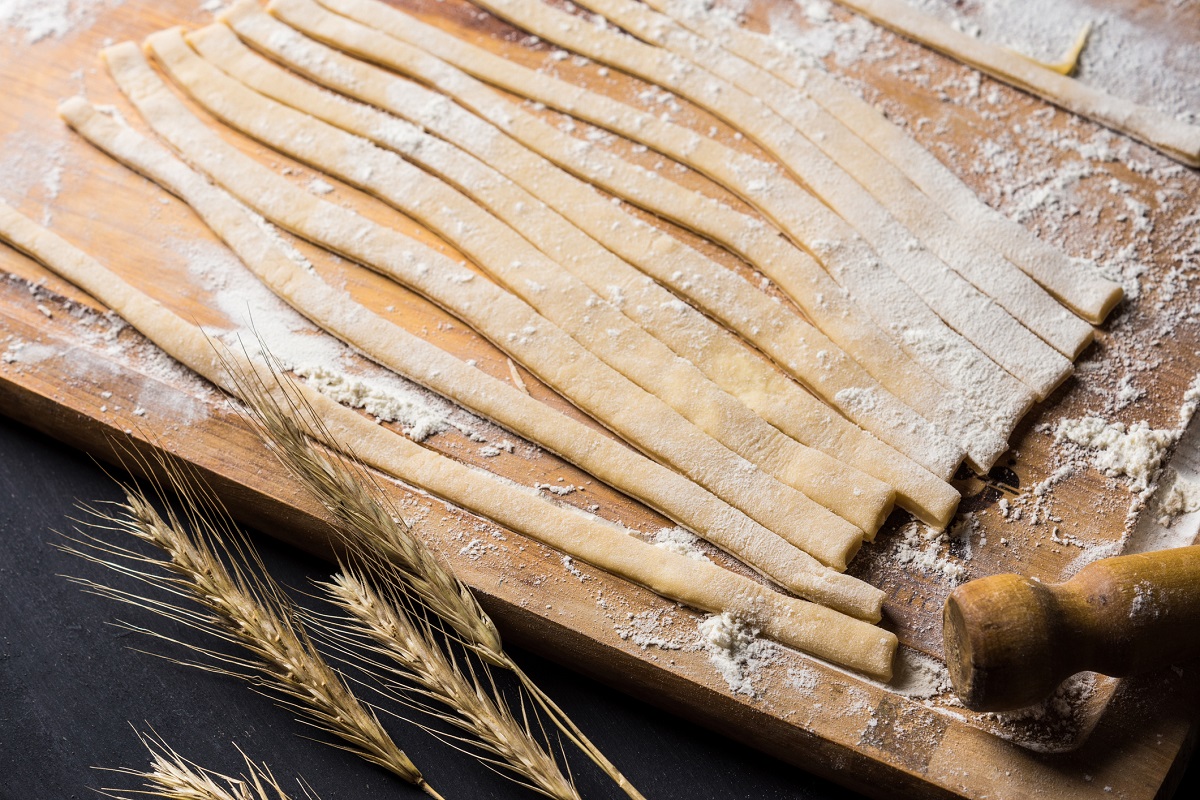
(174, 777)
(240, 604)
(414, 655)
(368, 524)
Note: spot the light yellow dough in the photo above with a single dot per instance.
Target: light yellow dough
(413, 357)
(659, 255)
(1084, 291)
(983, 400)
(984, 268)
(559, 297)
(963, 307)
(848, 492)
(503, 319)
(806, 626)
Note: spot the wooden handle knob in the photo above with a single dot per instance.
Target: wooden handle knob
(1009, 640)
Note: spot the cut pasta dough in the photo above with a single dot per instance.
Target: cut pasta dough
(984, 268)
(500, 317)
(661, 256)
(558, 296)
(984, 391)
(807, 626)
(971, 313)
(1084, 291)
(848, 492)
(411, 356)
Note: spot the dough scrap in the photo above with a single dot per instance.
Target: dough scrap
(843, 489)
(807, 626)
(984, 389)
(500, 317)
(1086, 292)
(661, 256)
(411, 356)
(1164, 133)
(556, 295)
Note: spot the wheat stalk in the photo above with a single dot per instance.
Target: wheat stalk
(237, 605)
(173, 777)
(384, 624)
(369, 523)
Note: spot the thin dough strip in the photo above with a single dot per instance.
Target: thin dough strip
(411, 356)
(636, 416)
(970, 312)
(848, 492)
(1084, 291)
(560, 297)
(689, 333)
(983, 267)
(797, 623)
(981, 389)
(1150, 126)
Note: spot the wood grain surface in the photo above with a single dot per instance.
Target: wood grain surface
(85, 379)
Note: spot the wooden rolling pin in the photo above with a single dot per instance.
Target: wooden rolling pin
(1010, 640)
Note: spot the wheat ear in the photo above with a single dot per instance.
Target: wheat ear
(368, 522)
(385, 625)
(173, 777)
(241, 605)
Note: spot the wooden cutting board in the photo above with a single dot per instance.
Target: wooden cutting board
(82, 377)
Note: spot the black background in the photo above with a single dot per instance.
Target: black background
(71, 685)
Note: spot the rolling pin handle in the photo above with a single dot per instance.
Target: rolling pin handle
(1010, 640)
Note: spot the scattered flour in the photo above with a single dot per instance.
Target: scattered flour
(1135, 452)
(653, 628)
(559, 490)
(1049, 725)
(735, 650)
(41, 19)
(924, 549)
(677, 540)
(418, 418)
(32, 167)
(919, 676)
(22, 352)
(803, 679)
(1127, 54)
(318, 186)
(1176, 496)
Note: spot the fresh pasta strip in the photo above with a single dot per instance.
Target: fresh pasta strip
(1164, 133)
(982, 267)
(848, 492)
(807, 626)
(411, 356)
(1084, 291)
(710, 286)
(981, 390)
(497, 315)
(556, 295)
(971, 313)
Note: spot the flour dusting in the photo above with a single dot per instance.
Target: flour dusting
(735, 650)
(42, 19)
(418, 419)
(679, 541)
(1135, 451)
